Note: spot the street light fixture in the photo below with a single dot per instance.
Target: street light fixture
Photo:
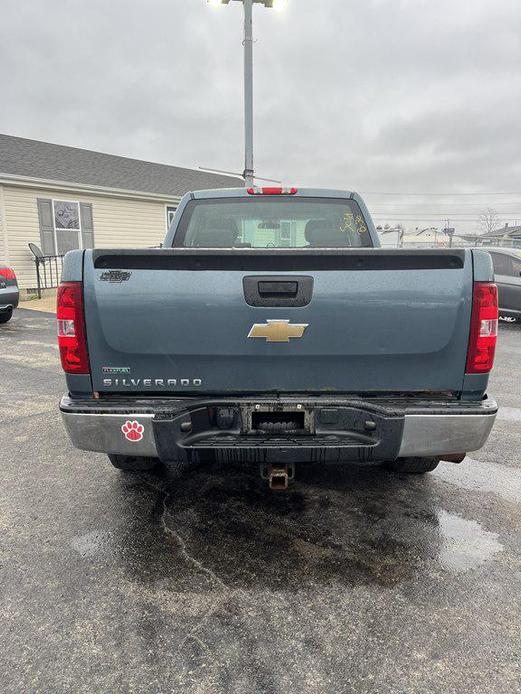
(248, 174)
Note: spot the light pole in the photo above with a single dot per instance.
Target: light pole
(248, 93)
(249, 172)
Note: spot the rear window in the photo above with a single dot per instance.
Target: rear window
(272, 222)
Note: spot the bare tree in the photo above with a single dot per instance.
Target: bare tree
(489, 220)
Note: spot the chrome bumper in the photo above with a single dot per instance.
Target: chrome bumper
(104, 433)
(432, 435)
(424, 434)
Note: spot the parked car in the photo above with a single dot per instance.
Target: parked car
(9, 294)
(272, 329)
(507, 269)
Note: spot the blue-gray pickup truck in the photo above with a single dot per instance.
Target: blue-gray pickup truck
(272, 329)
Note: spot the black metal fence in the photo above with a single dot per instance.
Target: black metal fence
(48, 271)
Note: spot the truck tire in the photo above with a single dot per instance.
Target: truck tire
(6, 316)
(414, 466)
(128, 463)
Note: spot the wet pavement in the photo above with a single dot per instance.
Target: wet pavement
(354, 581)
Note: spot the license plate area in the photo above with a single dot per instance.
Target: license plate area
(277, 420)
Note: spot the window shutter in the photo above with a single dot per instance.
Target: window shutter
(87, 226)
(46, 226)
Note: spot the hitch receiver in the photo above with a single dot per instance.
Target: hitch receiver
(278, 476)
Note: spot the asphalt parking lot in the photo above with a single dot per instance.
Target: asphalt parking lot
(351, 582)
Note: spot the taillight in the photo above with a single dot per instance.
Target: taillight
(72, 339)
(483, 328)
(272, 191)
(7, 273)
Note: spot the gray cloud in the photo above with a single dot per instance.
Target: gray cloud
(378, 95)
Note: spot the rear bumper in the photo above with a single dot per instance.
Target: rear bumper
(339, 430)
(9, 298)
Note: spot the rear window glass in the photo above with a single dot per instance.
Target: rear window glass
(274, 222)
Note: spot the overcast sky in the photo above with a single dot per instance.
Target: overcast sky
(372, 95)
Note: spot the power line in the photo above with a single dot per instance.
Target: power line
(408, 218)
(397, 194)
(422, 219)
(433, 202)
(432, 222)
(442, 214)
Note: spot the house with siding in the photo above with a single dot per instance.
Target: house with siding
(508, 236)
(60, 198)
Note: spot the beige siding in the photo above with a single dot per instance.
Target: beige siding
(3, 254)
(118, 222)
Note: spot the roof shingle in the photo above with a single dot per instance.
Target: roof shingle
(33, 158)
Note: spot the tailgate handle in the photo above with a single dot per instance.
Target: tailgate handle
(278, 288)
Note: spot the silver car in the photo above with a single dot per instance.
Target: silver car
(507, 270)
(9, 294)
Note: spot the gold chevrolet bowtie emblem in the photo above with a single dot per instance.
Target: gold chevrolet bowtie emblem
(278, 330)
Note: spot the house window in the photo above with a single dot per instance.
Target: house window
(67, 226)
(64, 225)
(170, 212)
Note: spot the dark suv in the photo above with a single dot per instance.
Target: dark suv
(9, 294)
(507, 270)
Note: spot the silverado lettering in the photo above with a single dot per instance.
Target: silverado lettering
(149, 382)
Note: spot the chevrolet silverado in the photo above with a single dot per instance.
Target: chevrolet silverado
(272, 329)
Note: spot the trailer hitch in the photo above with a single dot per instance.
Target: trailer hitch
(278, 476)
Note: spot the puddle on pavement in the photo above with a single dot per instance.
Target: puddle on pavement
(464, 544)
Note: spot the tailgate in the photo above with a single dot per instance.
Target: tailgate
(182, 320)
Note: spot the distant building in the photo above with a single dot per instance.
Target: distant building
(417, 238)
(503, 236)
(507, 237)
(61, 198)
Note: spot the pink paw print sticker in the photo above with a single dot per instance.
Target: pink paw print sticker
(133, 430)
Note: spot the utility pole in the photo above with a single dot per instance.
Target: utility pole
(248, 93)
(449, 232)
(249, 173)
